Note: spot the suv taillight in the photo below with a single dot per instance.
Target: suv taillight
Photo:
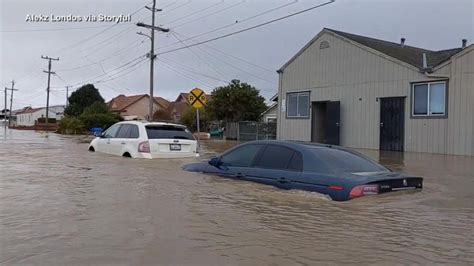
(144, 147)
(363, 190)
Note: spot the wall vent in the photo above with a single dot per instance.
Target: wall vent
(324, 45)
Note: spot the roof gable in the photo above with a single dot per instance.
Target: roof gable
(405, 53)
(121, 102)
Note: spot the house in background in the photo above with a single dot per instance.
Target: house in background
(180, 105)
(270, 115)
(29, 116)
(362, 92)
(177, 109)
(136, 106)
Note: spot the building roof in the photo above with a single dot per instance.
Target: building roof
(29, 110)
(162, 101)
(408, 54)
(270, 108)
(121, 102)
(405, 53)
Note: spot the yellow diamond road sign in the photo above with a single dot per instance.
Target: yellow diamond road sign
(197, 98)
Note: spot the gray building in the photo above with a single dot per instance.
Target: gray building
(361, 92)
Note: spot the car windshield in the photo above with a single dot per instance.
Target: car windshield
(347, 162)
(168, 132)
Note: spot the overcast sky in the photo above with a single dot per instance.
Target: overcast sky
(106, 54)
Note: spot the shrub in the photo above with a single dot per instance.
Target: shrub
(99, 120)
(71, 125)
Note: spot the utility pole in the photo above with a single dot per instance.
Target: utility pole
(152, 52)
(5, 111)
(11, 102)
(67, 95)
(47, 90)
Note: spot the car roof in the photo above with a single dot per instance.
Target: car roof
(146, 123)
(299, 144)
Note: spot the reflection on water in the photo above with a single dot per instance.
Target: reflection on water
(60, 204)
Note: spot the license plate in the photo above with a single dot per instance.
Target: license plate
(175, 147)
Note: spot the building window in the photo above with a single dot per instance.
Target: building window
(298, 105)
(429, 99)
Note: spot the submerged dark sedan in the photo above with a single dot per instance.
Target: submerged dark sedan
(341, 173)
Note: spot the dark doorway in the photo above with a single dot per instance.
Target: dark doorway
(325, 119)
(392, 123)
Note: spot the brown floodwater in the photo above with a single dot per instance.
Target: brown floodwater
(62, 205)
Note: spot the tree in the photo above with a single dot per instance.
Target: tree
(189, 119)
(87, 109)
(162, 115)
(236, 102)
(81, 99)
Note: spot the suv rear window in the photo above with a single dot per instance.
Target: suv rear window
(168, 132)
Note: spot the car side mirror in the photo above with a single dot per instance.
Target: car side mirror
(215, 161)
(102, 135)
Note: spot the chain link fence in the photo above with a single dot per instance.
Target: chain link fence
(249, 130)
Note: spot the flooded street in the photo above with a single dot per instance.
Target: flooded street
(62, 205)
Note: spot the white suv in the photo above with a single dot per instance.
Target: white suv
(146, 140)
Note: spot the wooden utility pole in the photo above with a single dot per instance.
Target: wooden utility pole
(11, 102)
(5, 111)
(67, 95)
(152, 55)
(47, 90)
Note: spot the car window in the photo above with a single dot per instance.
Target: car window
(123, 132)
(168, 132)
(347, 162)
(112, 131)
(276, 157)
(241, 157)
(296, 162)
(134, 133)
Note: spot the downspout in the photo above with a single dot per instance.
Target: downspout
(427, 70)
(279, 116)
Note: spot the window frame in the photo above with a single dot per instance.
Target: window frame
(298, 93)
(429, 115)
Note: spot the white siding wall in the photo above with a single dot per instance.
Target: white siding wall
(28, 119)
(346, 72)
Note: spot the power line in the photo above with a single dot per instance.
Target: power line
(234, 23)
(200, 58)
(82, 41)
(174, 8)
(196, 12)
(185, 68)
(246, 29)
(229, 55)
(187, 76)
(63, 29)
(113, 55)
(101, 75)
(213, 13)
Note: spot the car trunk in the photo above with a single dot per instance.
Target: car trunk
(170, 141)
(389, 181)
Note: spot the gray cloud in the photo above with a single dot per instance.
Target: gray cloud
(428, 24)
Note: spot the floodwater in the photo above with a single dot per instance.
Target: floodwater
(61, 205)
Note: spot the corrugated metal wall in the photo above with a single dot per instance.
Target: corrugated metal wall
(357, 77)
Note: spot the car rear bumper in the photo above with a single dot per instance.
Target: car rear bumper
(167, 155)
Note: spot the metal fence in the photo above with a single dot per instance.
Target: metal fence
(249, 130)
